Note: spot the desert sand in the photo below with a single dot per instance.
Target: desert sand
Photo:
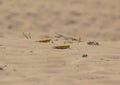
(27, 62)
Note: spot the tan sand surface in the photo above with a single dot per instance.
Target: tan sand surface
(26, 62)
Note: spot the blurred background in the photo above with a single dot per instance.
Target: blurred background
(88, 19)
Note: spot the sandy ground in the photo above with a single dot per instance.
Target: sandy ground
(26, 62)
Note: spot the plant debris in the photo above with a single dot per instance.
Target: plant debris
(67, 38)
(62, 47)
(27, 35)
(84, 55)
(2, 68)
(44, 40)
(93, 43)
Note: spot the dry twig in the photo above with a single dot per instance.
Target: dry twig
(67, 38)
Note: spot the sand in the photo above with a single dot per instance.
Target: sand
(26, 62)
